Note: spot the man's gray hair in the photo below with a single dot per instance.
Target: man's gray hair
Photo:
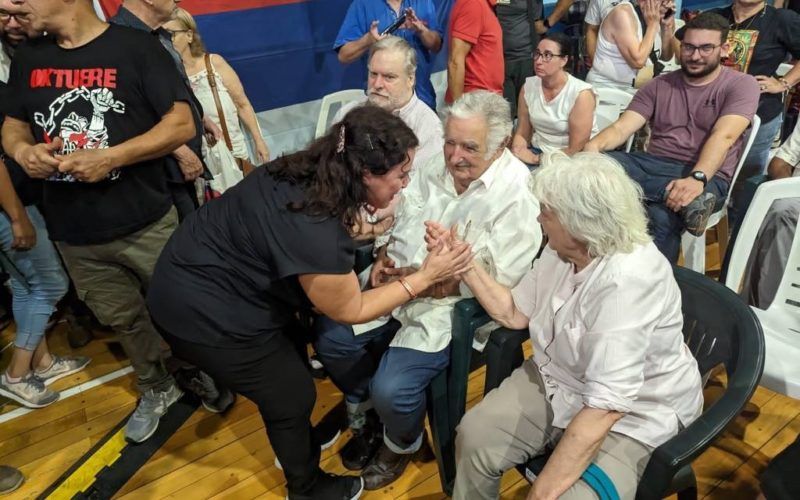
(397, 44)
(493, 108)
(594, 199)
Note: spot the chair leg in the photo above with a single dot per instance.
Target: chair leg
(690, 492)
(722, 238)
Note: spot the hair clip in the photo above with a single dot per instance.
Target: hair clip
(340, 144)
(369, 141)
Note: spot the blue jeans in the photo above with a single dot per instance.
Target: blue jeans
(45, 281)
(396, 386)
(653, 173)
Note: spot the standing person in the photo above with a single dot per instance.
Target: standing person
(476, 49)
(631, 36)
(96, 127)
(185, 164)
(556, 110)
(697, 117)
(366, 21)
(521, 22)
(595, 13)
(10, 479)
(234, 102)
(776, 33)
(233, 276)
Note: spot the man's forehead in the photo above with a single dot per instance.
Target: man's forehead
(710, 36)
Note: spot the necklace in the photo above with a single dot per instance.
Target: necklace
(737, 26)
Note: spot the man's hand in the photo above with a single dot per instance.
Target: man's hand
(413, 23)
(190, 164)
(87, 165)
(374, 33)
(435, 232)
(23, 232)
(682, 192)
(38, 160)
(392, 274)
(377, 276)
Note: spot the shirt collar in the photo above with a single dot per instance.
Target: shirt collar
(127, 18)
(406, 111)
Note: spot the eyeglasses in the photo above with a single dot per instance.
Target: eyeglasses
(6, 16)
(547, 56)
(705, 49)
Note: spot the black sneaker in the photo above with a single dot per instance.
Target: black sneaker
(365, 442)
(215, 399)
(333, 487)
(695, 215)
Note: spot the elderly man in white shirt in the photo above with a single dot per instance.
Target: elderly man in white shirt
(477, 187)
(770, 253)
(610, 378)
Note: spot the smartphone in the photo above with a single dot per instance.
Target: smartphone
(669, 13)
(395, 25)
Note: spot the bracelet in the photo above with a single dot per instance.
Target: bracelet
(786, 84)
(408, 288)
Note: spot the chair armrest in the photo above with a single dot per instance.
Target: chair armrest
(503, 355)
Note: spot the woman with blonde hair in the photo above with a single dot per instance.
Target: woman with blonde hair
(208, 70)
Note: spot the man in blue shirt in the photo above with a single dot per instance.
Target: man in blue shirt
(365, 21)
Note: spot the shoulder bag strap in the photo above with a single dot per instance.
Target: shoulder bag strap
(212, 81)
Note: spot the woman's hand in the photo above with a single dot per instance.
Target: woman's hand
(770, 85)
(651, 9)
(262, 152)
(447, 261)
(435, 232)
(24, 233)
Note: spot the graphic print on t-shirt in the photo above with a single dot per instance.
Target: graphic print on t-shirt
(78, 115)
(742, 43)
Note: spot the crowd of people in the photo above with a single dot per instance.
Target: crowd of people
(514, 196)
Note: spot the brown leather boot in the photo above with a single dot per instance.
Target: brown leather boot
(387, 465)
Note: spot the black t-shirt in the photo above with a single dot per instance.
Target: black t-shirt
(99, 95)
(778, 36)
(229, 272)
(519, 40)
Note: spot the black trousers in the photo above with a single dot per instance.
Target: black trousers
(516, 73)
(184, 198)
(273, 376)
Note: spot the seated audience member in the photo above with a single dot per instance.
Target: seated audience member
(475, 59)
(384, 367)
(768, 258)
(632, 35)
(556, 110)
(234, 102)
(392, 71)
(775, 34)
(697, 118)
(595, 13)
(231, 280)
(366, 20)
(610, 378)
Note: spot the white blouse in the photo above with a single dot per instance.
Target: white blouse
(610, 337)
(550, 119)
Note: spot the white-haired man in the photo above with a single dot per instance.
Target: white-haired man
(478, 186)
(391, 77)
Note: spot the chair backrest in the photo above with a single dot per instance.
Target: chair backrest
(718, 328)
(342, 97)
(754, 126)
(784, 68)
(610, 105)
(766, 194)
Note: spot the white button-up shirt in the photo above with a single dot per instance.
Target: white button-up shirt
(496, 215)
(421, 119)
(609, 337)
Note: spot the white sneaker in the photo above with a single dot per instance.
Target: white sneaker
(30, 391)
(62, 367)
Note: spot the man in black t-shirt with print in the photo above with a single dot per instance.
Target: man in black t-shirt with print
(94, 115)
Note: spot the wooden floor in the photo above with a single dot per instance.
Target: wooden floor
(230, 457)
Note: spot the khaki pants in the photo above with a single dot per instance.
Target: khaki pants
(112, 278)
(513, 424)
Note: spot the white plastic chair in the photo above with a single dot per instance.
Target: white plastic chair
(783, 69)
(781, 321)
(342, 97)
(610, 105)
(694, 247)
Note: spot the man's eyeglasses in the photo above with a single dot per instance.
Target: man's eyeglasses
(705, 49)
(6, 16)
(547, 55)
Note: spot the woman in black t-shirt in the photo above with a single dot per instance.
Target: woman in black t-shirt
(229, 283)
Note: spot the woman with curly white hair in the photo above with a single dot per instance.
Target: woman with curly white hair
(610, 377)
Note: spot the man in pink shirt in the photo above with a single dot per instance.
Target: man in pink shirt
(476, 49)
(698, 117)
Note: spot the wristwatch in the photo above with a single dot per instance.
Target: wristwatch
(699, 176)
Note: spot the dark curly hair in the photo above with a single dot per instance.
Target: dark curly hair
(375, 140)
